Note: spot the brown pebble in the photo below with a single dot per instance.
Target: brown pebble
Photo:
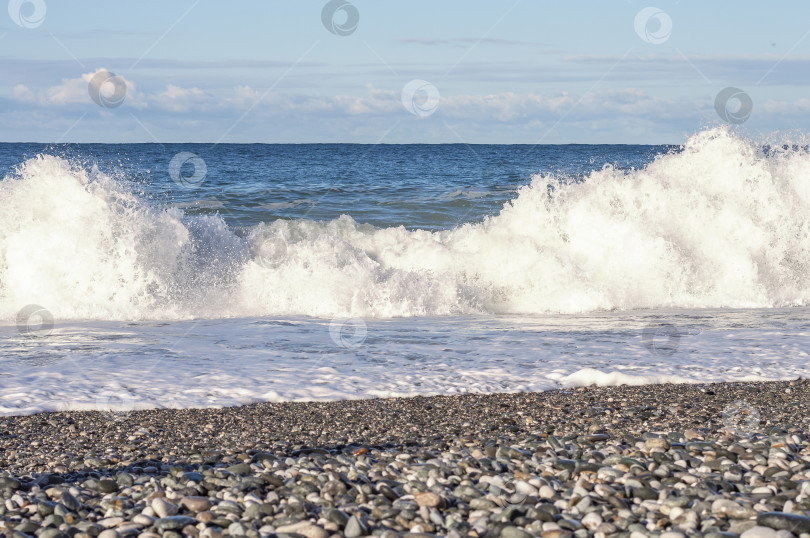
(427, 498)
(196, 504)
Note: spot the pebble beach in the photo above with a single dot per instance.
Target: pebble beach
(674, 461)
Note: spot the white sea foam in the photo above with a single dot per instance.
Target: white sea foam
(718, 224)
(122, 366)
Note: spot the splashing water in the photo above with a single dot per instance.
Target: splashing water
(721, 223)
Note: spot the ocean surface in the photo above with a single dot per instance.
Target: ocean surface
(185, 275)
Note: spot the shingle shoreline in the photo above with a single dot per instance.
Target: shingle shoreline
(601, 461)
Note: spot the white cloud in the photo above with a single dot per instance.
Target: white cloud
(70, 91)
(177, 99)
(196, 110)
(23, 93)
(786, 108)
(505, 107)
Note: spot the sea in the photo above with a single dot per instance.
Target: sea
(139, 276)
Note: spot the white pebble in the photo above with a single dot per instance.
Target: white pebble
(546, 492)
(164, 508)
(304, 528)
(591, 520)
(525, 488)
(143, 519)
(759, 532)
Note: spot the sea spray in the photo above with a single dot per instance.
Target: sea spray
(86, 246)
(720, 223)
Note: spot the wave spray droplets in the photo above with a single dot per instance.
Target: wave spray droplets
(721, 223)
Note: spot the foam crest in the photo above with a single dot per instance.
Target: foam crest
(718, 223)
(86, 246)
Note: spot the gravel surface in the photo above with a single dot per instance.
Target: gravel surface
(664, 460)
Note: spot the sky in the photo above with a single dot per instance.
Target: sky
(518, 71)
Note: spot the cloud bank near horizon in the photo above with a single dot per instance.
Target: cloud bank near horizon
(642, 75)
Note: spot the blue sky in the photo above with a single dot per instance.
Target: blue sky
(494, 72)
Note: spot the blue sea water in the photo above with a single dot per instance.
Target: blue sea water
(418, 186)
(148, 275)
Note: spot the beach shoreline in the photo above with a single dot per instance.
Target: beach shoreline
(696, 459)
